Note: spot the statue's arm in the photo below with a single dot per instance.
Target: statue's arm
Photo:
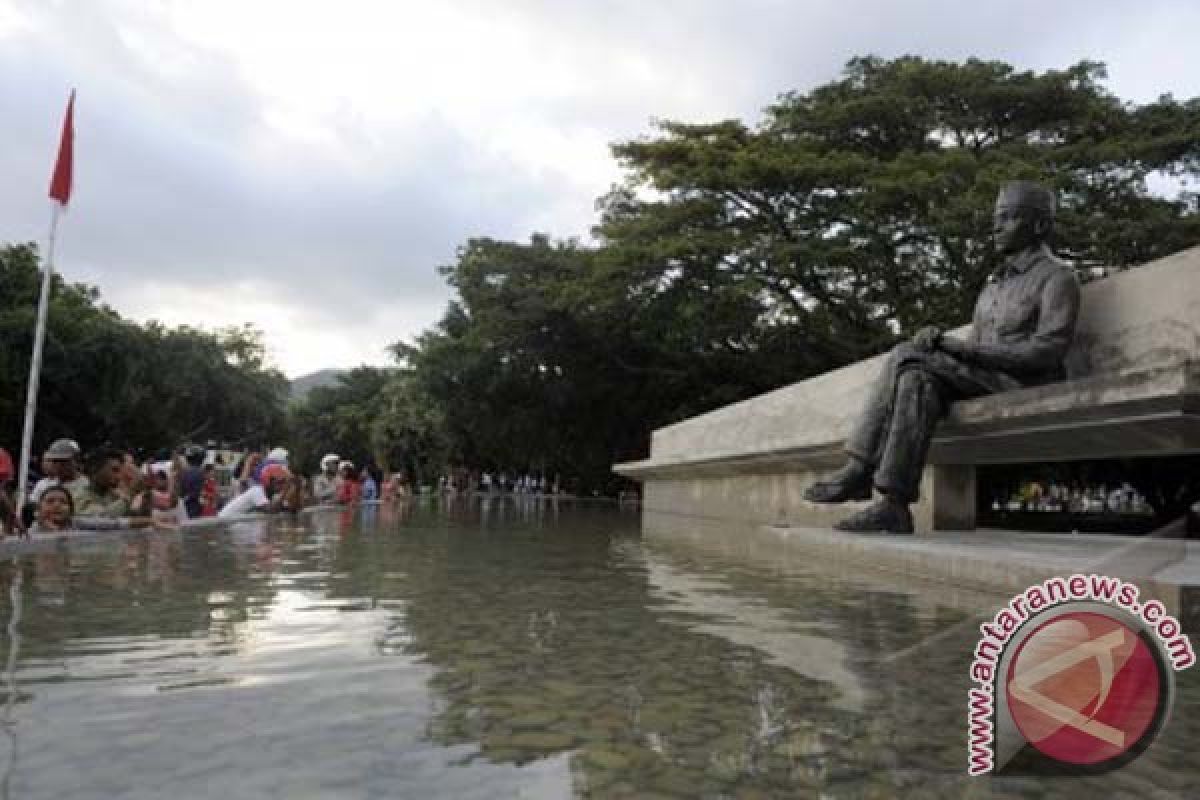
(1046, 348)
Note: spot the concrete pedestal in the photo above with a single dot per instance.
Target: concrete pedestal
(1134, 391)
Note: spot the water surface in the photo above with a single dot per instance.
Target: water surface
(503, 650)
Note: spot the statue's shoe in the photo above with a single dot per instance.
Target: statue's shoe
(851, 482)
(879, 517)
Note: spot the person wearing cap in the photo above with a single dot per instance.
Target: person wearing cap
(278, 456)
(324, 485)
(61, 463)
(274, 471)
(1023, 325)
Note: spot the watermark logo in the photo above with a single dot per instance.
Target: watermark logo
(1073, 675)
(1085, 688)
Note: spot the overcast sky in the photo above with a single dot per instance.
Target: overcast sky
(308, 166)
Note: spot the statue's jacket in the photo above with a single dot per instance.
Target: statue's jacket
(1023, 325)
(1025, 318)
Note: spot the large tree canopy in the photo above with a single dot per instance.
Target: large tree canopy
(737, 258)
(862, 208)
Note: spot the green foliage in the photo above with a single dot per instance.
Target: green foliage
(737, 259)
(862, 208)
(106, 379)
(374, 415)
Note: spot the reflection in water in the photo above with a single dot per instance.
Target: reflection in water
(756, 624)
(13, 632)
(503, 648)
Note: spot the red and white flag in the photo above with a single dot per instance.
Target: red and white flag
(60, 183)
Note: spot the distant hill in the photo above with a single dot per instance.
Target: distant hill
(306, 383)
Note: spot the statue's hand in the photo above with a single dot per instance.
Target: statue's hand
(927, 338)
(955, 347)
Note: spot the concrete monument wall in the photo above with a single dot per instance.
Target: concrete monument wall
(1134, 388)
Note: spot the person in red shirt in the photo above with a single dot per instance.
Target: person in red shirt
(209, 492)
(10, 521)
(348, 487)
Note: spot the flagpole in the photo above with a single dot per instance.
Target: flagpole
(35, 362)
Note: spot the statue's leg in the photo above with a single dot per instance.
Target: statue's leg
(917, 407)
(867, 439)
(925, 385)
(864, 445)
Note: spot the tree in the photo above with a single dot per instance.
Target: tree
(737, 258)
(861, 210)
(107, 379)
(372, 415)
(530, 370)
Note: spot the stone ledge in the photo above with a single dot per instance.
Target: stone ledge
(993, 562)
(1128, 323)
(1010, 561)
(1140, 412)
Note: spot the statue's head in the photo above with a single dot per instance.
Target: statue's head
(1024, 216)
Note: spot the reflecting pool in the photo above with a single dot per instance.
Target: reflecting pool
(494, 650)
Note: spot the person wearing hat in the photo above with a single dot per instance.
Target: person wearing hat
(324, 485)
(61, 462)
(277, 456)
(1023, 325)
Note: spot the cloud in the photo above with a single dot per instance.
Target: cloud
(309, 164)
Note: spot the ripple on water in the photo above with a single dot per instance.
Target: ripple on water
(423, 653)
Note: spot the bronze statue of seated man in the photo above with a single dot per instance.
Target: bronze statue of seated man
(1023, 324)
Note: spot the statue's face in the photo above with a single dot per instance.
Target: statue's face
(1015, 228)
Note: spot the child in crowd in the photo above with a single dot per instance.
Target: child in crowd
(160, 493)
(56, 513)
(55, 510)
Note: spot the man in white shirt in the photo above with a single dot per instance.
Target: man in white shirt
(253, 499)
(325, 484)
(256, 498)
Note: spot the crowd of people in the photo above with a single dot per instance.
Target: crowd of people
(341, 483)
(518, 484)
(104, 490)
(463, 479)
(112, 489)
(1058, 497)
